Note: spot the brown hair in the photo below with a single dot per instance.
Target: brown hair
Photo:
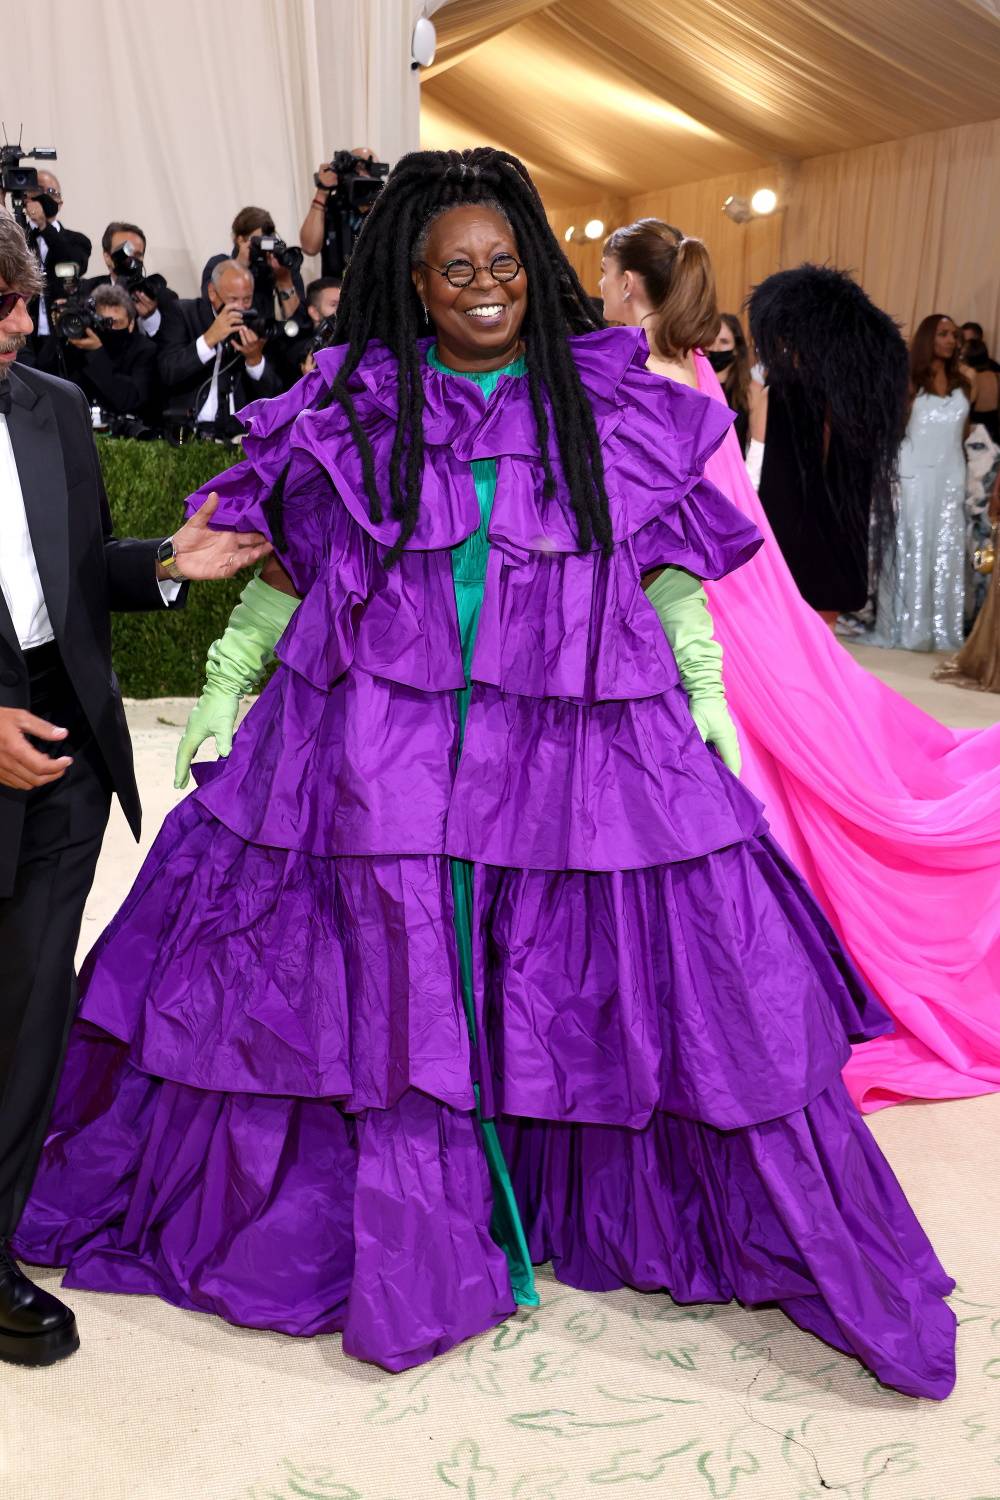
(679, 281)
(18, 266)
(249, 219)
(737, 387)
(119, 226)
(922, 360)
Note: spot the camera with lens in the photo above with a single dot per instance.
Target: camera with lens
(268, 328)
(16, 178)
(322, 333)
(131, 273)
(19, 180)
(73, 317)
(263, 245)
(353, 190)
(359, 182)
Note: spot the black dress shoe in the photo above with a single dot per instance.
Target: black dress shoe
(35, 1327)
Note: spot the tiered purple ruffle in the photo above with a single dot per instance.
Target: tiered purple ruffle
(267, 1110)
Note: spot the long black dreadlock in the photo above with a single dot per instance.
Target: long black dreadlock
(841, 364)
(378, 301)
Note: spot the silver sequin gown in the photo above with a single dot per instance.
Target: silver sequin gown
(921, 596)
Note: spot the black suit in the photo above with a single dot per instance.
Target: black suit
(186, 379)
(50, 837)
(126, 381)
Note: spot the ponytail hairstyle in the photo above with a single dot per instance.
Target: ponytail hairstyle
(679, 281)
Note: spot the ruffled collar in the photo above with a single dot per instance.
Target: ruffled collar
(603, 359)
(655, 438)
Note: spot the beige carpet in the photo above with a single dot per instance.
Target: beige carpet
(619, 1396)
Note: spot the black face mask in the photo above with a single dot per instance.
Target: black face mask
(116, 340)
(721, 359)
(48, 205)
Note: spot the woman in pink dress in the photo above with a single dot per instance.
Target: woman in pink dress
(893, 818)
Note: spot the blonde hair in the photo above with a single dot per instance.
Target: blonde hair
(679, 280)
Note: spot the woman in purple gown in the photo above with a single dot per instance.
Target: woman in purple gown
(473, 952)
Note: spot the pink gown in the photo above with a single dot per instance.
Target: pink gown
(893, 819)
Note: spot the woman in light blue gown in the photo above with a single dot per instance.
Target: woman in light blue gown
(921, 594)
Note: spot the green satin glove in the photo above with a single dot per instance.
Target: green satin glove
(680, 602)
(236, 663)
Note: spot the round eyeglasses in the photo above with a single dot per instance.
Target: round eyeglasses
(460, 273)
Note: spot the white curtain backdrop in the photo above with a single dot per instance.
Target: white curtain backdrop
(174, 116)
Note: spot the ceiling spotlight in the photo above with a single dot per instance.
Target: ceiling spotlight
(593, 229)
(570, 234)
(764, 201)
(737, 209)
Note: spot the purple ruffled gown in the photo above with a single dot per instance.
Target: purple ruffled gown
(267, 1110)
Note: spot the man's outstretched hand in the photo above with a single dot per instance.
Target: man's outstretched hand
(201, 552)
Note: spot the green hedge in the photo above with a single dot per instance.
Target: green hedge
(161, 655)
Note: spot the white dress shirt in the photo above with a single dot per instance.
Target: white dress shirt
(209, 409)
(43, 312)
(19, 581)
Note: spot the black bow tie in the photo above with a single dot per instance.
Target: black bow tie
(5, 397)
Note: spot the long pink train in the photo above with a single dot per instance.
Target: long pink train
(893, 819)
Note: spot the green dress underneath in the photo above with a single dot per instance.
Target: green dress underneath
(468, 565)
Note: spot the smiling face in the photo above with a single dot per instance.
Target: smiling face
(478, 326)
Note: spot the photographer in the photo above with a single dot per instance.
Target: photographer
(211, 362)
(323, 299)
(124, 249)
(297, 358)
(345, 189)
(54, 245)
(277, 287)
(114, 364)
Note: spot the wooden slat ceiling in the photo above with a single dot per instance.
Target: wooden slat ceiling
(620, 97)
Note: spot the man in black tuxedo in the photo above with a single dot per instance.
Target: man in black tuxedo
(116, 367)
(124, 239)
(64, 743)
(54, 245)
(211, 363)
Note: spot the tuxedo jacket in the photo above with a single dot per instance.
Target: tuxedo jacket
(127, 381)
(61, 245)
(85, 571)
(184, 377)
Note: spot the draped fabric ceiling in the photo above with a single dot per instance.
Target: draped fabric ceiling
(620, 97)
(877, 121)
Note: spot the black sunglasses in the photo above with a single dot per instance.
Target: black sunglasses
(8, 302)
(463, 273)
